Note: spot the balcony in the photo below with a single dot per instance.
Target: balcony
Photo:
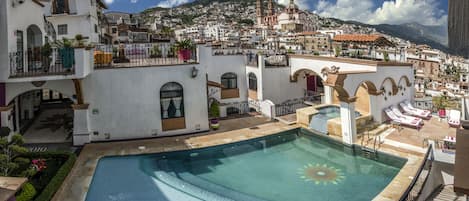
(55, 63)
(141, 55)
(229, 93)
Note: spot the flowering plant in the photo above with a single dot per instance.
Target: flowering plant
(39, 164)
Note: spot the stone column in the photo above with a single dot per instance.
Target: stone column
(81, 125)
(347, 117)
(374, 109)
(328, 94)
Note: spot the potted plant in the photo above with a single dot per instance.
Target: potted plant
(184, 49)
(46, 54)
(155, 52)
(214, 115)
(80, 41)
(440, 103)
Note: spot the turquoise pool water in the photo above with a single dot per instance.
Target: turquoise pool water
(319, 120)
(290, 166)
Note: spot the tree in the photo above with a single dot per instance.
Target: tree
(10, 152)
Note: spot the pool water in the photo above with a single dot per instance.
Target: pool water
(319, 120)
(295, 165)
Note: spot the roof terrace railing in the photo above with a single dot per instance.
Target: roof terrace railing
(252, 59)
(42, 62)
(415, 189)
(141, 55)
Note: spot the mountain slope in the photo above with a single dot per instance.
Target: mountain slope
(434, 36)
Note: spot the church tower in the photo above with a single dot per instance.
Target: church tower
(270, 8)
(260, 12)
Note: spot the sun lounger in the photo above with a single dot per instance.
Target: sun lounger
(427, 113)
(454, 119)
(399, 114)
(414, 112)
(403, 121)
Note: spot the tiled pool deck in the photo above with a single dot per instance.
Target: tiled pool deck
(77, 182)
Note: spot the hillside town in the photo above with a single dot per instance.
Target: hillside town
(226, 100)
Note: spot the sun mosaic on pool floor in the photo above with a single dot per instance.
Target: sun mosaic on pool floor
(321, 174)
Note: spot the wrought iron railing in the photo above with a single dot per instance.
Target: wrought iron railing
(252, 59)
(139, 55)
(228, 52)
(290, 106)
(42, 62)
(415, 188)
(276, 61)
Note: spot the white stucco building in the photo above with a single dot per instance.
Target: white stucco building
(144, 91)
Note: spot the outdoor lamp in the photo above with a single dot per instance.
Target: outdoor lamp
(194, 72)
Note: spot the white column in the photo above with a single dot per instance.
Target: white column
(81, 125)
(374, 109)
(328, 94)
(347, 118)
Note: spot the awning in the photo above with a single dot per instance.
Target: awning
(461, 166)
(9, 186)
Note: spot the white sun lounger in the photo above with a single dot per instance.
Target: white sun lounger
(399, 114)
(414, 112)
(426, 113)
(454, 118)
(402, 121)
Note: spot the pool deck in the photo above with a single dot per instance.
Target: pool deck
(78, 181)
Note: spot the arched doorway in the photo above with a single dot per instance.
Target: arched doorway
(43, 116)
(34, 44)
(172, 106)
(314, 89)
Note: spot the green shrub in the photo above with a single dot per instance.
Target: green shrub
(214, 110)
(27, 193)
(57, 180)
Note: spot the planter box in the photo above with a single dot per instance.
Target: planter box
(184, 55)
(229, 93)
(173, 124)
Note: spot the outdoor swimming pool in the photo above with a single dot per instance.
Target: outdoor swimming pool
(296, 165)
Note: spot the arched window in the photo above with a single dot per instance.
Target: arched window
(229, 81)
(252, 81)
(172, 101)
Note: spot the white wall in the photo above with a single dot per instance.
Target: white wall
(128, 101)
(219, 65)
(277, 86)
(19, 17)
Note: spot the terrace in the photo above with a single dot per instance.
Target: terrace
(141, 55)
(51, 62)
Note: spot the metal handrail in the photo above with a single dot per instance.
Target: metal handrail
(407, 194)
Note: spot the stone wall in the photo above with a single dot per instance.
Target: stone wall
(458, 26)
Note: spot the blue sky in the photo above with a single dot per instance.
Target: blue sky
(428, 12)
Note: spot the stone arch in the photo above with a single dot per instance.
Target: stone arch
(406, 79)
(363, 94)
(369, 86)
(394, 89)
(11, 98)
(294, 77)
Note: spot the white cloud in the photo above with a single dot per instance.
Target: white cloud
(133, 1)
(302, 4)
(171, 3)
(108, 1)
(391, 12)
